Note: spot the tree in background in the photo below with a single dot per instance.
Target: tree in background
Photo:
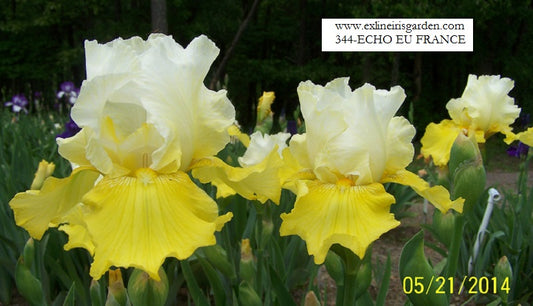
(271, 47)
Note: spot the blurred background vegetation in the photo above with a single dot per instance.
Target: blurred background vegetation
(269, 45)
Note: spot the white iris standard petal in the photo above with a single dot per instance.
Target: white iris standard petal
(260, 147)
(350, 129)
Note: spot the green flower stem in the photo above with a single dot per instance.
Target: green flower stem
(40, 269)
(346, 293)
(455, 247)
(259, 251)
(522, 177)
(339, 300)
(349, 288)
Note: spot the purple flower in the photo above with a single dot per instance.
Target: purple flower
(518, 151)
(522, 149)
(18, 103)
(71, 129)
(69, 91)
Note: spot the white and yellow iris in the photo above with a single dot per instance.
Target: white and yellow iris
(147, 119)
(352, 145)
(262, 173)
(484, 109)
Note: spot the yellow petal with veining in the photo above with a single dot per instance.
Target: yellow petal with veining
(138, 221)
(37, 210)
(438, 140)
(350, 215)
(436, 195)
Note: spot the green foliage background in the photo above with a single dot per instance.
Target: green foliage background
(41, 45)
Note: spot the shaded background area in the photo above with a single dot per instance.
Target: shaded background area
(269, 45)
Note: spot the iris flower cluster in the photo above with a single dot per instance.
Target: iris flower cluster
(148, 122)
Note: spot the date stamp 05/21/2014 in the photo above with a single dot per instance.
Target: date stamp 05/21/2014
(443, 285)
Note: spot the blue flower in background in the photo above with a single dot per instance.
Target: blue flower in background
(18, 103)
(71, 129)
(68, 91)
(518, 151)
(521, 149)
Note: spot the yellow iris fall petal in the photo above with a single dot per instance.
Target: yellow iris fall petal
(524, 137)
(438, 140)
(139, 221)
(437, 195)
(78, 236)
(55, 199)
(258, 182)
(353, 216)
(262, 174)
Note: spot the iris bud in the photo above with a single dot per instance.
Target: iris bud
(45, 170)
(503, 273)
(263, 108)
(418, 279)
(248, 296)
(247, 266)
(364, 275)
(266, 233)
(443, 225)
(116, 294)
(29, 286)
(335, 267)
(466, 171)
(97, 294)
(218, 257)
(144, 290)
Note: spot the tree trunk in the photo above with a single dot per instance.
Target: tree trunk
(159, 16)
(221, 68)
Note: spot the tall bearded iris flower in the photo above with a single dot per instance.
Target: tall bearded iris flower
(483, 110)
(352, 145)
(146, 120)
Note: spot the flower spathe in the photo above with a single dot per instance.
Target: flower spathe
(484, 109)
(353, 144)
(146, 119)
